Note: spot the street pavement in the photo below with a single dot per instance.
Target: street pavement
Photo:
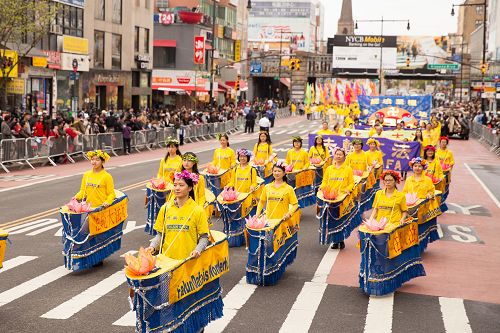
(318, 293)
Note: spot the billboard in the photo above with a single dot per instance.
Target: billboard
(422, 50)
(363, 51)
(390, 109)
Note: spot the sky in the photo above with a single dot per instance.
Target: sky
(427, 17)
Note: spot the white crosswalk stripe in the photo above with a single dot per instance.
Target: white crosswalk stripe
(127, 320)
(454, 316)
(379, 314)
(40, 223)
(17, 261)
(39, 231)
(10, 230)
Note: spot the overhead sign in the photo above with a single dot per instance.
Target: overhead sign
(255, 67)
(199, 50)
(422, 50)
(75, 45)
(450, 67)
(280, 9)
(39, 61)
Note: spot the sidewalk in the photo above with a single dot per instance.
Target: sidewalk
(46, 173)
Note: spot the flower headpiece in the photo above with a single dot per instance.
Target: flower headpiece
(184, 174)
(357, 141)
(219, 136)
(190, 157)
(296, 138)
(393, 173)
(372, 140)
(171, 141)
(419, 160)
(281, 164)
(99, 153)
(444, 138)
(245, 152)
(335, 149)
(429, 147)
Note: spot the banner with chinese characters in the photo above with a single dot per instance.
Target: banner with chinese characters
(396, 154)
(199, 50)
(392, 109)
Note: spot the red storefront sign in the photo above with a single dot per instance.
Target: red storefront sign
(53, 59)
(199, 50)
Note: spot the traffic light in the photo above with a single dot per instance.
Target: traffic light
(292, 64)
(407, 61)
(237, 83)
(297, 64)
(484, 68)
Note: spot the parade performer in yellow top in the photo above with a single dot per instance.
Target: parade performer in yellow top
(339, 175)
(419, 183)
(263, 149)
(374, 155)
(349, 121)
(373, 130)
(171, 163)
(182, 224)
(358, 159)
(444, 154)
(436, 130)
(243, 176)
(325, 130)
(190, 163)
(224, 157)
(297, 157)
(427, 136)
(319, 150)
(419, 137)
(278, 197)
(337, 130)
(389, 203)
(434, 167)
(378, 132)
(97, 187)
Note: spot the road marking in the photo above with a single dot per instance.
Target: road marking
(234, 300)
(31, 285)
(36, 226)
(24, 219)
(39, 231)
(131, 226)
(129, 319)
(25, 225)
(486, 189)
(379, 314)
(87, 297)
(59, 232)
(454, 315)
(132, 252)
(440, 231)
(466, 210)
(17, 261)
(301, 315)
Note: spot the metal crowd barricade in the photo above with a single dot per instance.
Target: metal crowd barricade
(57, 148)
(189, 134)
(151, 138)
(12, 151)
(38, 148)
(74, 146)
(138, 140)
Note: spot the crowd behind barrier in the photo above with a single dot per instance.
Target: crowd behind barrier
(36, 150)
(487, 136)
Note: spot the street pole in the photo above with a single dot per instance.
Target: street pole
(381, 55)
(462, 71)
(279, 65)
(483, 106)
(212, 57)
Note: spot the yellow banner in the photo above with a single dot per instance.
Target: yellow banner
(285, 230)
(8, 58)
(75, 45)
(39, 62)
(108, 218)
(402, 238)
(3, 245)
(304, 178)
(371, 180)
(347, 205)
(429, 210)
(246, 206)
(237, 50)
(195, 273)
(15, 86)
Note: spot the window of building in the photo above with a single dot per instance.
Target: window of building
(146, 3)
(117, 11)
(479, 10)
(70, 19)
(478, 23)
(116, 51)
(146, 40)
(136, 39)
(164, 57)
(99, 10)
(98, 49)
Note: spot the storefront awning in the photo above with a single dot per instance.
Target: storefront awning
(285, 81)
(165, 42)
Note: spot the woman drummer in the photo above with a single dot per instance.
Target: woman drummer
(190, 163)
(172, 162)
(319, 150)
(297, 157)
(224, 157)
(182, 225)
(243, 176)
(263, 149)
(338, 176)
(419, 183)
(97, 187)
(357, 159)
(389, 202)
(374, 155)
(444, 154)
(278, 197)
(434, 168)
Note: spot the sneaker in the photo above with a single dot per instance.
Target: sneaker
(334, 246)
(341, 245)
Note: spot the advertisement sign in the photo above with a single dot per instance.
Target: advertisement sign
(363, 52)
(166, 18)
(15, 86)
(39, 62)
(75, 45)
(199, 50)
(281, 9)
(256, 67)
(422, 50)
(237, 50)
(53, 59)
(390, 109)
(8, 62)
(68, 60)
(175, 80)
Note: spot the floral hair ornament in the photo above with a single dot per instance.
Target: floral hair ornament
(171, 141)
(219, 136)
(444, 138)
(190, 157)
(296, 139)
(99, 153)
(429, 147)
(244, 152)
(281, 164)
(392, 173)
(335, 149)
(184, 174)
(372, 140)
(357, 141)
(420, 161)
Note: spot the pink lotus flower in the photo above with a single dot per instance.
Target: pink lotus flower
(142, 265)
(229, 194)
(445, 166)
(373, 225)
(158, 184)
(411, 199)
(330, 193)
(289, 168)
(78, 207)
(316, 160)
(212, 169)
(358, 173)
(256, 222)
(260, 161)
(435, 180)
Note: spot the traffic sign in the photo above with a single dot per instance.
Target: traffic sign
(74, 76)
(451, 67)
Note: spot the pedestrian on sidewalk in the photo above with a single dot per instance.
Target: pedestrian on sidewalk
(264, 123)
(127, 138)
(250, 121)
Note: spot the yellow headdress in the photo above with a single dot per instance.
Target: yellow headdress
(99, 153)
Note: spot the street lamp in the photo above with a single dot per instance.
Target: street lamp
(485, 5)
(381, 21)
(214, 7)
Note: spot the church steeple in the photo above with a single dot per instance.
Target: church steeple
(346, 23)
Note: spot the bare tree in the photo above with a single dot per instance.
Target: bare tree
(23, 23)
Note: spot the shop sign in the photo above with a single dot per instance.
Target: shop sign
(166, 18)
(75, 45)
(8, 59)
(15, 86)
(39, 61)
(220, 31)
(177, 79)
(228, 32)
(237, 50)
(53, 59)
(68, 60)
(108, 78)
(199, 50)
(143, 60)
